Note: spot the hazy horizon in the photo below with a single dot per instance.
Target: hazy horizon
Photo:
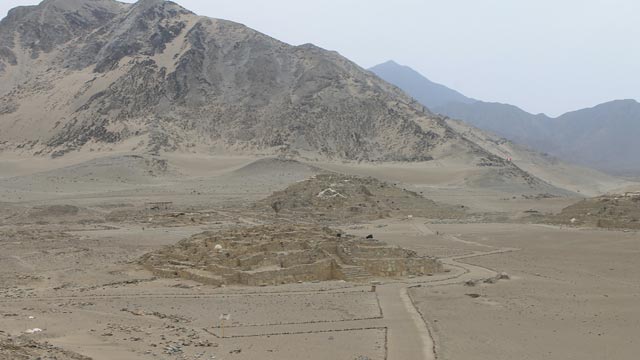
(544, 56)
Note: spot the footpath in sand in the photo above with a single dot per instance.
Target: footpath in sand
(409, 336)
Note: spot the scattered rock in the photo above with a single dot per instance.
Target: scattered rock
(471, 282)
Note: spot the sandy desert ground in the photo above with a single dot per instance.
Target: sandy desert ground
(72, 229)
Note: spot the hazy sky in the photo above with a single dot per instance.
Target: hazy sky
(546, 56)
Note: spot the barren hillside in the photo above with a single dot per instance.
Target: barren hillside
(152, 76)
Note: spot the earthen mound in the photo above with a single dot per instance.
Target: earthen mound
(621, 211)
(11, 214)
(269, 166)
(337, 197)
(279, 254)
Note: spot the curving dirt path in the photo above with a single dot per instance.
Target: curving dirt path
(466, 271)
(420, 344)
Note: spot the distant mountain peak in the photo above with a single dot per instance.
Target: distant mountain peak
(144, 5)
(41, 28)
(427, 92)
(389, 63)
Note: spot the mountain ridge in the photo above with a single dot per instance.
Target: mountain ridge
(156, 75)
(602, 137)
(427, 92)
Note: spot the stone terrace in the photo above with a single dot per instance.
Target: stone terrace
(279, 254)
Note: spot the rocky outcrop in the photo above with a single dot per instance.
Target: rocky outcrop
(44, 27)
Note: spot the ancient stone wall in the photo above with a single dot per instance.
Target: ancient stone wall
(278, 254)
(399, 267)
(379, 252)
(319, 271)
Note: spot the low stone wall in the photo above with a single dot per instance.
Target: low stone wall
(163, 272)
(378, 252)
(274, 246)
(221, 270)
(300, 258)
(254, 261)
(319, 271)
(201, 276)
(399, 267)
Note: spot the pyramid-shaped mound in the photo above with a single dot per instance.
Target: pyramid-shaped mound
(280, 254)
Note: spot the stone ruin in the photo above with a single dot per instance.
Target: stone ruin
(280, 254)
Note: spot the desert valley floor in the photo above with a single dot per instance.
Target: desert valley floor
(73, 230)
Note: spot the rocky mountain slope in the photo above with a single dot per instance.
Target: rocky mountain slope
(603, 137)
(553, 171)
(96, 75)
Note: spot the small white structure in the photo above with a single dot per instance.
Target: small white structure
(330, 193)
(223, 318)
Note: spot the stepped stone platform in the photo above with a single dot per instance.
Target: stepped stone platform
(280, 254)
